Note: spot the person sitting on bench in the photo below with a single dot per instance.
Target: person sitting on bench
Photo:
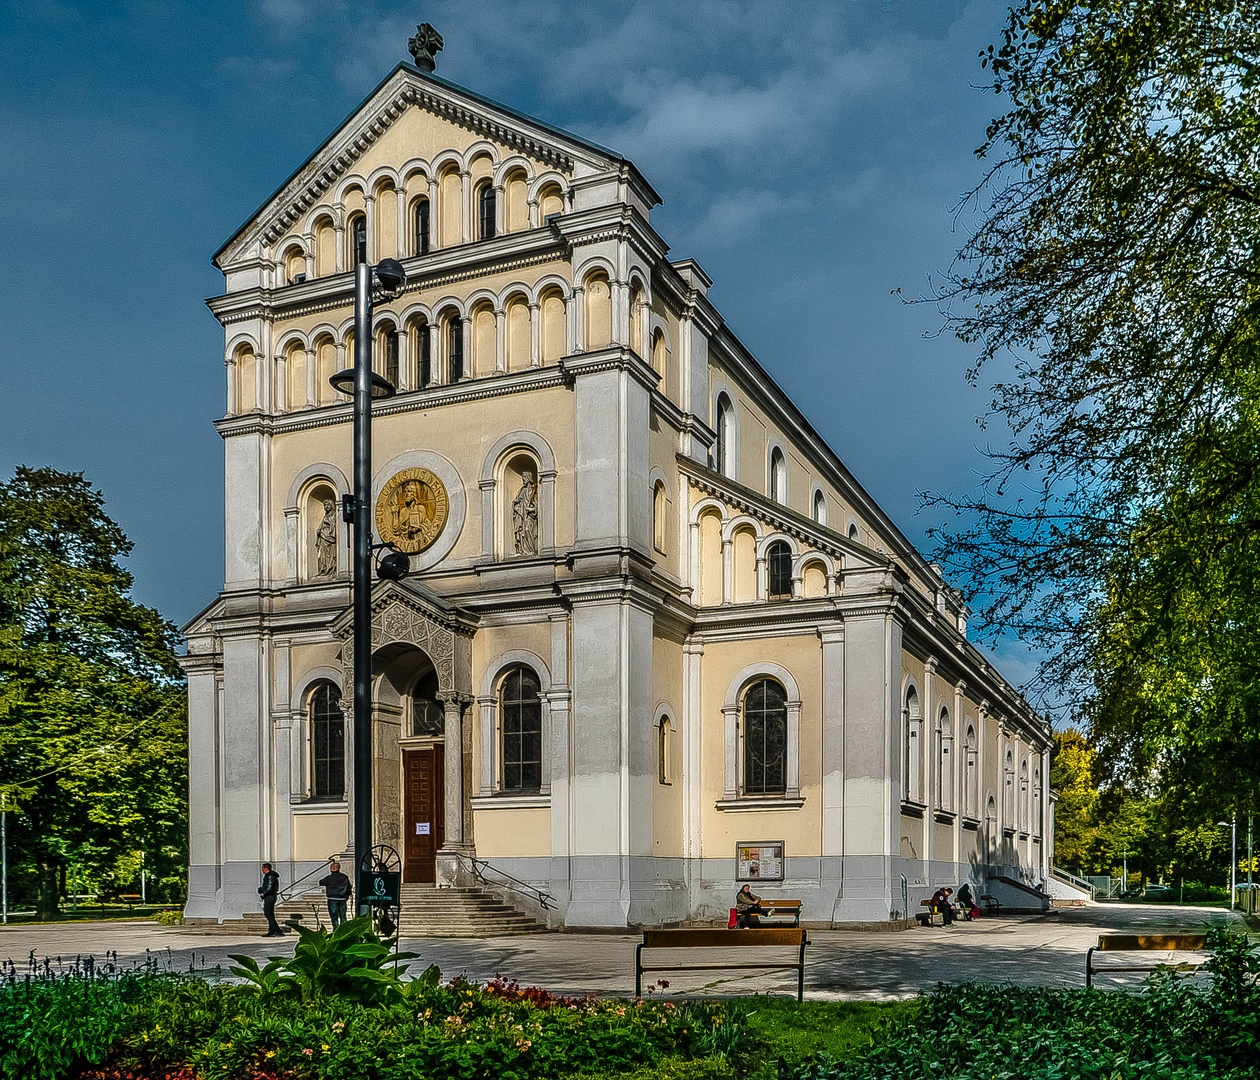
(748, 907)
(942, 903)
(967, 902)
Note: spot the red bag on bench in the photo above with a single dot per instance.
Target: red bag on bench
(734, 920)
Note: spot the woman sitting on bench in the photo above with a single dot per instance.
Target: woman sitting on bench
(748, 907)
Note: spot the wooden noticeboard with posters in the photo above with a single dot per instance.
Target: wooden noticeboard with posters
(759, 860)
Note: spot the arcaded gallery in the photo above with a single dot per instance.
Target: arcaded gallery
(656, 640)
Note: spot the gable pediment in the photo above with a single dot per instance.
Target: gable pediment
(404, 90)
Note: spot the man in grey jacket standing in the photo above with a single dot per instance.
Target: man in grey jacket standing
(269, 890)
(336, 887)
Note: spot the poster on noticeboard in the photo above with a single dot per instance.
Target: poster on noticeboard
(761, 860)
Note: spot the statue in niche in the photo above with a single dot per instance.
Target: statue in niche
(326, 541)
(525, 516)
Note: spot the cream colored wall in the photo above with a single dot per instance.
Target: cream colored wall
(491, 642)
(662, 446)
(913, 838)
(667, 799)
(801, 830)
(512, 834)
(317, 836)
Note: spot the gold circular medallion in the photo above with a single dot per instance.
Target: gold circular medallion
(411, 510)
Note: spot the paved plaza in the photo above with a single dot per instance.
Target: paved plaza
(1045, 950)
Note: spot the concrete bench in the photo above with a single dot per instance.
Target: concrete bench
(709, 938)
(1142, 943)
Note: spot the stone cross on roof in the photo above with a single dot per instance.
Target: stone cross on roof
(424, 46)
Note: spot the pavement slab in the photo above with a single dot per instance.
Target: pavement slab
(1042, 950)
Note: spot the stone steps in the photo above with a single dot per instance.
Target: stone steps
(428, 911)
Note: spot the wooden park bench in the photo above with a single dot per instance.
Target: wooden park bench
(710, 938)
(129, 899)
(782, 909)
(931, 917)
(991, 905)
(1142, 943)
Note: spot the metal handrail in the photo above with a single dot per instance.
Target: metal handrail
(287, 892)
(1071, 879)
(517, 884)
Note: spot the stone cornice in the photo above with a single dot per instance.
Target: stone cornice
(611, 358)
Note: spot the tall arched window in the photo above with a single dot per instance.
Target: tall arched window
(420, 227)
(662, 751)
(455, 346)
(328, 744)
(912, 722)
(724, 421)
(424, 373)
(1036, 794)
(485, 212)
(389, 356)
(778, 476)
(658, 516)
(779, 571)
(820, 508)
(971, 787)
(765, 739)
(944, 761)
(1022, 811)
(358, 240)
(1008, 791)
(521, 731)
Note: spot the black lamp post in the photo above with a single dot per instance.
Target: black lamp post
(365, 385)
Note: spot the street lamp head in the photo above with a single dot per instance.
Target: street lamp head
(390, 274)
(343, 383)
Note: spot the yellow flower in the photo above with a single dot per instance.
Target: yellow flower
(271, 1053)
(324, 1047)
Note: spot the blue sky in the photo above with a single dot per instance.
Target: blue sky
(808, 154)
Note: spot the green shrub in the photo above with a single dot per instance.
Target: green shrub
(169, 917)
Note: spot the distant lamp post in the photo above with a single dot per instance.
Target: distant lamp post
(1233, 856)
(364, 385)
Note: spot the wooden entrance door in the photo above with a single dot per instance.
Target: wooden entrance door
(424, 824)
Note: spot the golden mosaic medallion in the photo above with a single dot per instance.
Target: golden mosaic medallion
(411, 511)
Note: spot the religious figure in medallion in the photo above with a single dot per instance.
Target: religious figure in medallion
(412, 510)
(326, 541)
(525, 516)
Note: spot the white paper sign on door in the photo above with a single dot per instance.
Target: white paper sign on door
(422, 828)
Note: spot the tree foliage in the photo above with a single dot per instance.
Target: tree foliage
(1116, 255)
(92, 716)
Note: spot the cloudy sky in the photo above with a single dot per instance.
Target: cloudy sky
(808, 152)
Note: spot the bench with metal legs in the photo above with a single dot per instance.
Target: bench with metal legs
(706, 938)
(1142, 943)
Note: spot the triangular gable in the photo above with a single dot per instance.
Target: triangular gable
(415, 596)
(407, 86)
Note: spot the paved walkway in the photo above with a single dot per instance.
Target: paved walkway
(1046, 950)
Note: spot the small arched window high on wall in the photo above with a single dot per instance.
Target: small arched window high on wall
(853, 532)
(420, 227)
(722, 423)
(455, 347)
(424, 366)
(778, 476)
(658, 516)
(485, 212)
(520, 731)
(779, 571)
(820, 508)
(328, 744)
(765, 739)
(358, 240)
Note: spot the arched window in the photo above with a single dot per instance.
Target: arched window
(662, 751)
(944, 761)
(485, 212)
(778, 476)
(779, 571)
(1008, 791)
(427, 715)
(853, 532)
(971, 788)
(328, 744)
(765, 739)
(912, 722)
(658, 516)
(658, 357)
(420, 227)
(722, 453)
(424, 366)
(1023, 796)
(389, 356)
(521, 731)
(820, 508)
(1036, 793)
(455, 346)
(358, 240)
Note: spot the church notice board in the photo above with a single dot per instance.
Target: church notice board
(759, 860)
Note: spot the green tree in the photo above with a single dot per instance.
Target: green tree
(92, 719)
(1116, 255)
(1076, 812)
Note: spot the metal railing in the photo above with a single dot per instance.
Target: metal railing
(515, 884)
(290, 891)
(1068, 878)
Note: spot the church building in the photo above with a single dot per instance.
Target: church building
(657, 640)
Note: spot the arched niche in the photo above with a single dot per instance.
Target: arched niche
(500, 482)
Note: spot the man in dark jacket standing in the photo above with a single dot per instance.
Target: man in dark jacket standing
(337, 888)
(269, 890)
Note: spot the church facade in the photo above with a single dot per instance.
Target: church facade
(657, 640)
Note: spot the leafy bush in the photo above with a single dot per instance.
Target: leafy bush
(169, 917)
